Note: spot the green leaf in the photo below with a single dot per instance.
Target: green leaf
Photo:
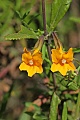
(75, 19)
(23, 33)
(64, 82)
(43, 51)
(47, 60)
(76, 50)
(18, 4)
(77, 111)
(73, 86)
(64, 113)
(36, 108)
(39, 116)
(24, 116)
(33, 18)
(28, 104)
(25, 15)
(54, 107)
(59, 8)
(77, 77)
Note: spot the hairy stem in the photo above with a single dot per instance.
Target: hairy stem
(49, 41)
(44, 17)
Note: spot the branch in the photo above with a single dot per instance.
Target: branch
(49, 41)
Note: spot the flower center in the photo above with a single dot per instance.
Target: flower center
(63, 61)
(31, 62)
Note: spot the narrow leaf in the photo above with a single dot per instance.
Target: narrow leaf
(73, 86)
(76, 50)
(25, 15)
(64, 113)
(43, 51)
(23, 33)
(54, 107)
(59, 8)
(33, 18)
(16, 36)
(77, 111)
(75, 19)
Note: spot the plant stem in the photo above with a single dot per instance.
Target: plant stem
(49, 40)
(44, 17)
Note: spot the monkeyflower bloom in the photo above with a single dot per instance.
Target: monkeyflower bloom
(31, 62)
(62, 61)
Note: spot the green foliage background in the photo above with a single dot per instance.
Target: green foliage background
(21, 20)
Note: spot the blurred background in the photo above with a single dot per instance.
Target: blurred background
(15, 86)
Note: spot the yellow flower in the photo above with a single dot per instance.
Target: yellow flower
(31, 62)
(62, 61)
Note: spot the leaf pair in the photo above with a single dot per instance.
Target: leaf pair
(58, 10)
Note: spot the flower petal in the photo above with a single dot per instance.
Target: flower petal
(68, 55)
(54, 67)
(34, 69)
(31, 71)
(60, 50)
(26, 57)
(71, 66)
(39, 69)
(35, 51)
(63, 69)
(37, 59)
(57, 67)
(23, 66)
(56, 55)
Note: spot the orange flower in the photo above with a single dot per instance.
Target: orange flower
(31, 62)
(62, 61)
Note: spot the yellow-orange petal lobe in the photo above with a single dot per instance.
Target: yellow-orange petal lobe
(68, 55)
(38, 58)
(57, 67)
(56, 55)
(31, 62)
(23, 66)
(26, 57)
(71, 66)
(31, 71)
(63, 69)
(54, 67)
(62, 61)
